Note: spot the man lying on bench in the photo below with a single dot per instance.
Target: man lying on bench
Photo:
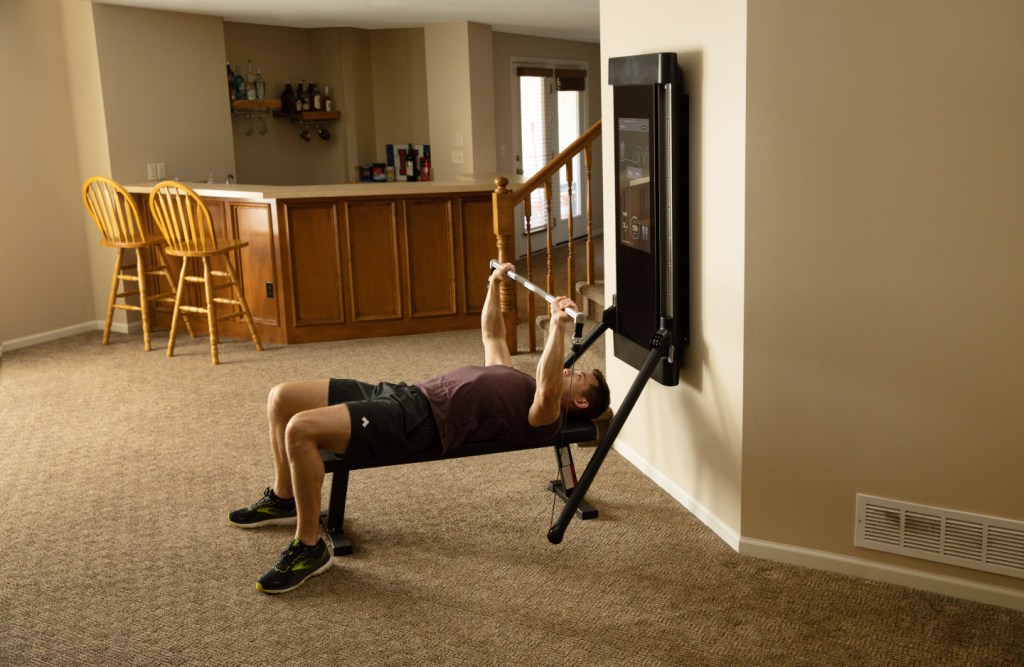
(475, 403)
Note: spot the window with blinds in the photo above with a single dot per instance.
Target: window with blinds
(550, 106)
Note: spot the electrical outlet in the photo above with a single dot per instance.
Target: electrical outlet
(458, 157)
(151, 171)
(270, 290)
(161, 170)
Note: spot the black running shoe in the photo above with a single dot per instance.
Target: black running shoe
(267, 511)
(297, 563)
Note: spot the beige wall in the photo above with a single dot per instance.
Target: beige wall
(481, 90)
(398, 61)
(453, 120)
(44, 265)
(690, 437)
(884, 240)
(91, 141)
(164, 86)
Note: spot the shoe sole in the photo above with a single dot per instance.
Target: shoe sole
(284, 521)
(320, 570)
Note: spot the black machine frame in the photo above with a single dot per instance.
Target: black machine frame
(650, 310)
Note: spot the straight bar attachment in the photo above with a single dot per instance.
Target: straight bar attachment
(576, 315)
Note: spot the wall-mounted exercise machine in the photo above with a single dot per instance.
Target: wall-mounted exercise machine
(649, 315)
(651, 192)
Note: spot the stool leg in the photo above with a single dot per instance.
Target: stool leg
(140, 269)
(170, 281)
(177, 307)
(211, 309)
(237, 285)
(112, 297)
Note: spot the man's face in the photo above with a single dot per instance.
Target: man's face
(575, 385)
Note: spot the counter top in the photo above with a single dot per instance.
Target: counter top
(269, 192)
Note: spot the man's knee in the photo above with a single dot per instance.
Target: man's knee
(276, 400)
(284, 401)
(301, 431)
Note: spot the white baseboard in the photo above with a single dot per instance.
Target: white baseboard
(822, 560)
(884, 572)
(57, 334)
(706, 516)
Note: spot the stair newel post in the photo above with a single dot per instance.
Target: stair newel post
(504, 229)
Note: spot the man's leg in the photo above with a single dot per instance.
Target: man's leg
(284, 402)
(298, 432)
(307, 433)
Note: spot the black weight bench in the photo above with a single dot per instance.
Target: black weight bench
(576, 430)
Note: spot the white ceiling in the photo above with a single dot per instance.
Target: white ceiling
(563, 19)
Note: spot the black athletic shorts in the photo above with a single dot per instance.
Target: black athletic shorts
(387, 419)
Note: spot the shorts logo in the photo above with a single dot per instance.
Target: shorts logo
(366, 422)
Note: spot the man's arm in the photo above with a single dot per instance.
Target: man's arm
(547, 402)
(492, 324)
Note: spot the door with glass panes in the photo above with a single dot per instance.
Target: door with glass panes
(551, 104)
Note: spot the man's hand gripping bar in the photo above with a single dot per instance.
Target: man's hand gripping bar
(576, 315)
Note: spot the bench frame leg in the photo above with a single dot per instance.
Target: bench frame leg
(333, 518)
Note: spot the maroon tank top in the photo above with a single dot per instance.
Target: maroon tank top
(478, 403)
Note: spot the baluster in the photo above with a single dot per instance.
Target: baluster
(551, 223)
(530, 314)
(571, 290)
(588, 159)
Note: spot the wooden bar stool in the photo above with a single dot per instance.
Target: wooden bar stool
(115, 214)
(185, 223)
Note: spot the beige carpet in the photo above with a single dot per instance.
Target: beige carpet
(119, 467)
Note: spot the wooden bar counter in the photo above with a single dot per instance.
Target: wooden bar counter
(335, 262)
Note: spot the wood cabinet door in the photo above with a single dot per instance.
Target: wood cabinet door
(372, 254)
(429, 279)
(314, 254)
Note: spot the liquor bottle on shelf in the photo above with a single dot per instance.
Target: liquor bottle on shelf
(231, 82)
(300, 94)
(250, 84)
(239, 84)
(410, 164)
(261, 85)
(288, 99)
(316, 101)
(328, 100)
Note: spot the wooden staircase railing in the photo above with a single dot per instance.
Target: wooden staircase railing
(505, 202)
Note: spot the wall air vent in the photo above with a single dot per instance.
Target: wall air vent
(969, 540)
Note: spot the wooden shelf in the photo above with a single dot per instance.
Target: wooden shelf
(255, 105)
(309, 116)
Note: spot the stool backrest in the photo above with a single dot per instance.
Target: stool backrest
(113, 210)
(182, 217)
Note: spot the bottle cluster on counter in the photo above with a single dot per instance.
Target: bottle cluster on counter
(306, 97)
(248, 86)
(408, 162)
